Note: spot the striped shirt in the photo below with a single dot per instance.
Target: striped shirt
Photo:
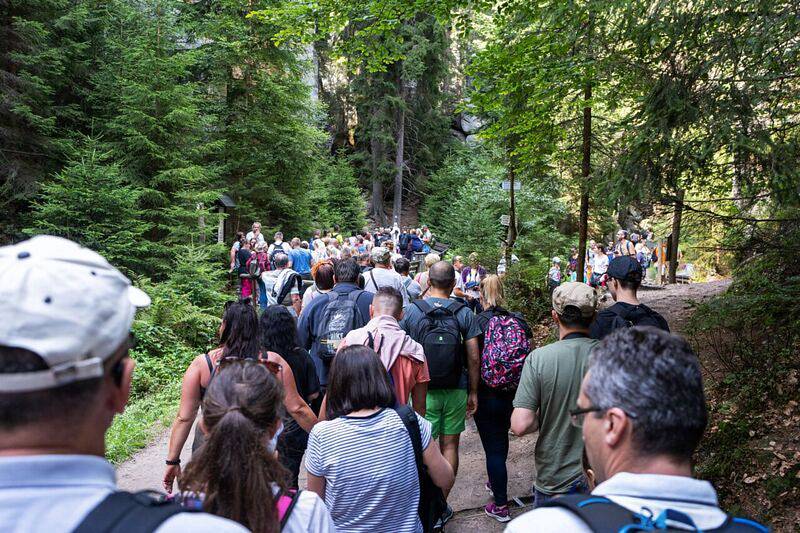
(371, 476)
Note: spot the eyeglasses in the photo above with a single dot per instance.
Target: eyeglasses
(274, 368)
(576, 416)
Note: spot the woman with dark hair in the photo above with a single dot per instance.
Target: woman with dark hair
(278, 331)
(238, 340)
(361, 460)
(236, 474)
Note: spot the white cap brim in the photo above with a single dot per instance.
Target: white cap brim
(138, 297)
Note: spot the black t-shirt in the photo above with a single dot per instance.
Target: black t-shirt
(243, 256)
(305, 376)
(629, 315)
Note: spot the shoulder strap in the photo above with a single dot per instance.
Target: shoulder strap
(423, 306)
(285, 508)
(409, 419)
(130, 513)
(210, 364)
(600, 514)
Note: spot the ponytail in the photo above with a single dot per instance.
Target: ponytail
(234, 469)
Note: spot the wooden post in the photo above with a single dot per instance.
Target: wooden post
(676, 232)
(661, 252)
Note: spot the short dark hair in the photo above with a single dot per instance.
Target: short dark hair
(357, 380)
(62, 405)
(322, 272)
(572, 318)
(388, 299)
(442, 275)
(402, 265)
(629, 284)
(346, 271)
(281, 260)
(654, 377)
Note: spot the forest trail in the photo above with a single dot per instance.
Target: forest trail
(145, 469)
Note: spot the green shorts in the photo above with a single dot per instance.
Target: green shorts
(446, 410)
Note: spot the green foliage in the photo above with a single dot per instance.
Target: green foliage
(90, 202)
(336, 198)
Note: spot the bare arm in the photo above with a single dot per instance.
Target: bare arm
(418, 395)
(316, 484)
(473, 366)
(438, 468)
(297, 303)
(293, 402)
(182, 426)
(233, 258)
(524, 421)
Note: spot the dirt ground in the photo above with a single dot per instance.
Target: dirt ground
(144, 470)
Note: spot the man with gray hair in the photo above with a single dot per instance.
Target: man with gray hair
(65, 372)
(283, 285)
(383, 275)
(278, 246)
(642, 413)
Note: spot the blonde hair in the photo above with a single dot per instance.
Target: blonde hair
(432, 259)
(492, 291)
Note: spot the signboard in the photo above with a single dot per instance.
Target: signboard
(505, 220)
(507, 185)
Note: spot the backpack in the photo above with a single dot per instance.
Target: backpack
(341, 315)
(604, 516)
(292, 279)
(622, 318)
(127, 512)
(403, 242)
(276, 249)
(253, 268)
(504, 351)
(439, 334)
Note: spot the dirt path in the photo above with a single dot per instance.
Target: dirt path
(145, 469)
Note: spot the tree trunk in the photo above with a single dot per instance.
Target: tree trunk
(512, 218)
(676, 233)
(586, 170)
(398, 163)
(376, 151)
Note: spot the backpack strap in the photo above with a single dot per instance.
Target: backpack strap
(423, 306)
(128, 512)
(210, 364)
(372, 277)
(286, 505)
(599, 513)
(411, 423)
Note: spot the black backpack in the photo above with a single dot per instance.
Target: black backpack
(127, 512)
(440, 335)
(341, 316)
(602, 515)
(622, 319)
(276, 249)
(292, 279)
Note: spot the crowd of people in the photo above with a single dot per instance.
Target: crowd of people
(366, 385)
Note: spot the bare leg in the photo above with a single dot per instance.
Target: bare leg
(449, 446)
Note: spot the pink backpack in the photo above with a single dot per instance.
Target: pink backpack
(505, 347)
(285, 505)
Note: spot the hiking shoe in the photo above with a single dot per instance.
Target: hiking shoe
(497, 512)
(446, 516)
(488, 488)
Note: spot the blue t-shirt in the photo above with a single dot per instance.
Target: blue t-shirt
(301, 260)
(371, 481)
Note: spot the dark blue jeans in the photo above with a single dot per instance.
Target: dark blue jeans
(493, 419)
(578, 487)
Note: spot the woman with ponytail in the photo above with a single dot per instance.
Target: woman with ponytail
(236, 474)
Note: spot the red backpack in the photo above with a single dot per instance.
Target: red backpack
(505, 348)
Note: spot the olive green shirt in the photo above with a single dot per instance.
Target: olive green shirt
(550, 383)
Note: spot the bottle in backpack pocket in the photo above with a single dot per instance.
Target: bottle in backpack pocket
(505, 349)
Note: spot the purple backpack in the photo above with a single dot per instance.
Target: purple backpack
(505, 348)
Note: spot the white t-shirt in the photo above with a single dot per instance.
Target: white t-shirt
(600, 264)
(283, 245)
(384, 277)
(309, 514)
(259, 239)
(370, 472)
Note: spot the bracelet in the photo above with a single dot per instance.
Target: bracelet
(174, 462)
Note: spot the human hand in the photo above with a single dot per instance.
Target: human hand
(472, 403)
(172, 473)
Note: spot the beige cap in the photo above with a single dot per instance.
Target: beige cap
(577, 294)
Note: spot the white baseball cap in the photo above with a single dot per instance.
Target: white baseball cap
(66, 304)
(556, 260)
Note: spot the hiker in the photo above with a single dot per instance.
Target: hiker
(255, 233)
(236, 474)
(471, 276)
(572, 266)
(361, 460)
(389, 245)
(234, 253)
(505, 344)
(320, 252)
(625, 277)
(458, 289)
(330, 317)
(278, 245)
(65, 372)
(446, 330)
(238, 340)
(642, 413)
(554, 275)
(548, 388)
(283, 285)
(278, 333)
(422, 277)
(262, 262)
(403, 357)
(383, 275)
(599, 266)
(412, 289)
(624, 247)
(245, 282)
(322, 272)
(337, 236)
(301, 257)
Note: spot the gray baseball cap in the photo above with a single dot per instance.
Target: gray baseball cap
(66, 304)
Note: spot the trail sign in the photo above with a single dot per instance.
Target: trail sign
(505, 220)
(507, 185)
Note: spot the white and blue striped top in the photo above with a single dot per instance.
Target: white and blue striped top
(370, 473)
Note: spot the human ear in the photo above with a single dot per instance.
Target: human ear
(615, 425)
(121, 392)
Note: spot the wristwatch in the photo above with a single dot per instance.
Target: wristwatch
(174, 462)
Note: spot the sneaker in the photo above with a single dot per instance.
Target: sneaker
(446, 516)
(488, 488)
(500, 514)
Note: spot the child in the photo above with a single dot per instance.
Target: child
(554, 275)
